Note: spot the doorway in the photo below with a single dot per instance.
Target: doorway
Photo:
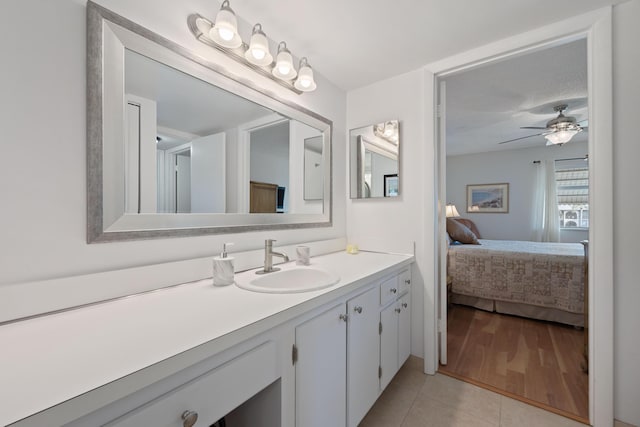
(596, 27)
(501, 332)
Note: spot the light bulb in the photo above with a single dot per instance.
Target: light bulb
(305, 82)
(283, 68)
(258, 54)
(225, 33)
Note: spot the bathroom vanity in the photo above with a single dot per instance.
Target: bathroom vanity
(199, 353)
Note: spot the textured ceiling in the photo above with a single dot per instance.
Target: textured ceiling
(489, 104)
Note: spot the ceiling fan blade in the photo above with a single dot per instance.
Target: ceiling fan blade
(532, 127)
(522, 137)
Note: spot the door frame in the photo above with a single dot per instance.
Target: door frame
(596, 27)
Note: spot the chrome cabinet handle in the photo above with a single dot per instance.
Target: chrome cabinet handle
(189, 418)
(405, 305)
(398, 310)
(357, 309)
(407, 281)
(393, 290)
(344, 317)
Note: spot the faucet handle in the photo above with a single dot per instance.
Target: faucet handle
(269, 241)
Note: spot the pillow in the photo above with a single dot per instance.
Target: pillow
(461, 233)
(470, 225)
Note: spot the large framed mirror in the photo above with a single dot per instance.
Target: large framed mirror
(374, 157)
(179, 147)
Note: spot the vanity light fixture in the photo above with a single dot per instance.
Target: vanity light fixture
(225, 30)
(258, 51)
(305, 81)
(223, 35)
(284, 69)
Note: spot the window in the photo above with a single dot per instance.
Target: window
(572, 185)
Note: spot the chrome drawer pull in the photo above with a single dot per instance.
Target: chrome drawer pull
(189, 418)
(393, 290)
(344, 317)
(404, 304)
(357, 309)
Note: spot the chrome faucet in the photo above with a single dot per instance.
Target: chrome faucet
(269, 253)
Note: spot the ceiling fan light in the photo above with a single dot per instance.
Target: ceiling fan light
(305, 81)
(284, 69)
(225, 30)
(560, 137)
(258, 51)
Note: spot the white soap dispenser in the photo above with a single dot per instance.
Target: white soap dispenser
(223, 268)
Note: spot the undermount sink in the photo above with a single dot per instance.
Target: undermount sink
(290, 280)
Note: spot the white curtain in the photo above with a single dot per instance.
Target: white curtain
(546, 218)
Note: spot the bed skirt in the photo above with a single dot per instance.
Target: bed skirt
(519, 309)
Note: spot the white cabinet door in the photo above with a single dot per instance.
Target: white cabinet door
(404, 329)
(388, 344)
(363, 344)
(321, 370)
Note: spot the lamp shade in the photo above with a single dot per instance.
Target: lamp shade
(305, 81)
(225, 30)
(451, 211)
(284, 69)
(258, 51)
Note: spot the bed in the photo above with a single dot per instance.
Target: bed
(538, 280)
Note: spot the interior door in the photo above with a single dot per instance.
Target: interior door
(442, 224)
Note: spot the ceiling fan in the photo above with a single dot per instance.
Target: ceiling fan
(558, 131)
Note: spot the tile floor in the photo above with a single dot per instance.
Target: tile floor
(413, 399)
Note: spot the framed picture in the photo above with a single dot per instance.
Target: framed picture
(391, 185)
(488, 198)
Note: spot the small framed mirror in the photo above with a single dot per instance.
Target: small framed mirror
(374, 157)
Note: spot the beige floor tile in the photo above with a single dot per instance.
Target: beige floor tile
(432, 413)
(463, 397)
(517, 414)
(617, 423)
(394, 403)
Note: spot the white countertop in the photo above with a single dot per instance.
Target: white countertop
(47, 360)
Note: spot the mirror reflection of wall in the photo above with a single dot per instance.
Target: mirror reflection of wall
(313, 177)
(194, 148)
(269, 161)
(374, 160)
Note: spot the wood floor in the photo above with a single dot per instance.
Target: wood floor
(527, 359)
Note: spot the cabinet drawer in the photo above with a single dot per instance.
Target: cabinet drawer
(211, 395)
(389, 290)
(404, 281)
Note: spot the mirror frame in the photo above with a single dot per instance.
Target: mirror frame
(108, 34)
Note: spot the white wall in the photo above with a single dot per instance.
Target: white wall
(396, 223)
(43, 113)
(516, 168)
(298, 132)
(269, 157)
(208, 171)
(626, 196)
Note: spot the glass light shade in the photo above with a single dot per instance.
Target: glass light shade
(258, 51)
(560, 137)
(284, 69)
(225, 30)
(305, 81)
(451, 211)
